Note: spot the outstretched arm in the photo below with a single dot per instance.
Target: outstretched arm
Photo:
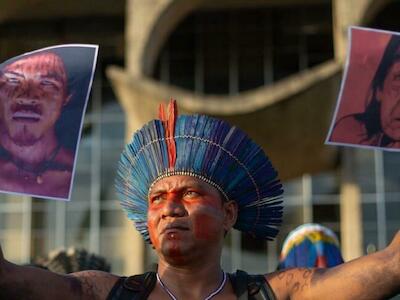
(375, 276)
(20, 282)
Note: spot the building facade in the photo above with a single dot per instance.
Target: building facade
(271, 67)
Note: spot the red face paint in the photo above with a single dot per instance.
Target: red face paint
(207, 227)
(154, 237)
(163, 212)
(194, 207)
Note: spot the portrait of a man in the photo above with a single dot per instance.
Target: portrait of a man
(34, 92)
(376, 122)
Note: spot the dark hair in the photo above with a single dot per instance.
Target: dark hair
(371, 116)
(72, 260)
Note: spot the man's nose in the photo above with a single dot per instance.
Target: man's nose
(173, 207)
(29, 93)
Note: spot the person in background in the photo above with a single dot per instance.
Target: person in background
(72, 260)
(310, 246)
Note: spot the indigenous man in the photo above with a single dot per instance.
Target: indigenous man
(186, 182)
(33, 92)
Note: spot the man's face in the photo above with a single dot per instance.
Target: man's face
(186, 215)
(389, 98)
(32, 94)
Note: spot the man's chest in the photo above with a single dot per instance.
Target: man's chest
(50, 182)
(162, 296)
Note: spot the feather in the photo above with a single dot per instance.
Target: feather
(169, 128)
(206, 148)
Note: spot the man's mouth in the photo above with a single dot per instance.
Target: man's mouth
(175, 228)
(26, 113)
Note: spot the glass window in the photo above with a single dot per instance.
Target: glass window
(226, 51)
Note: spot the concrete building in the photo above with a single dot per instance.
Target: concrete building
(271, 67)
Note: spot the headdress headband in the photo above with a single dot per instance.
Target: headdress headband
(206, 148)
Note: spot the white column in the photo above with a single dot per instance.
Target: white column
(236, 250)
(307, 199)
(26, 228)
(350, 209)
(94, 242)
(380, 199)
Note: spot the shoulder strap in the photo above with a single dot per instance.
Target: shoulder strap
(251, 287)
(239, 284)
(116, 289)
(259, 288)
(137, 287)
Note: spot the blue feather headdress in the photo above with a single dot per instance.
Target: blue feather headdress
(206, 148)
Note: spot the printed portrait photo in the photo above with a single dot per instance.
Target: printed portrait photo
(43, 96)
(367, 113)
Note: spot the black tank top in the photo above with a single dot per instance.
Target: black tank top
(139, 287)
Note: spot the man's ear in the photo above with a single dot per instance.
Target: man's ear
(231, 211)
(67, 99)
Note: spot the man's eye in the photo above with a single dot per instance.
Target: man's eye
(13, 80)
(191, 194)
(49, 83)
(155, 199)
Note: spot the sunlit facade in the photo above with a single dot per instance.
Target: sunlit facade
(212, 53)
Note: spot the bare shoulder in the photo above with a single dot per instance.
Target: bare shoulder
(396, 241)
(394, 250)
(290, 283)
(95, 284)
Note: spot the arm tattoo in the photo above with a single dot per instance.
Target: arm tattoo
(289, 279)
(87, 287)
(92, 284)
(297, 279)
(307, 272)
(307, 279)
